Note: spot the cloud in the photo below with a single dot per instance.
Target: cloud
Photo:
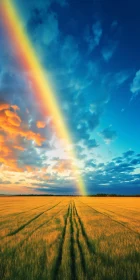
(10, 123)
(4, 106)
(135, 85)
(39, 7)
(97, 31)
(93, 36)
(128, 154)
(121, 77)
(83, 87)
(108, 135)
(118, 159)
(40, 124)
(91, 143)
(45, 27)
(17, 147)
(32, 157)
(69, 52)
(14, 136)
(135, 161)
(111, 177)
(13, 118)
(51, 33)
(114, 24)
(108, 51)
(2, 138)
(90, 164)
(114, 176)
(63, 167)
(79, 86)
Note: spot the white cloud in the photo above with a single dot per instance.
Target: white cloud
(121, 77)
(135, 86)
(70, 52)
(114, 24)
(109, 50)
(50, 30)
(97, 31)
(93, 38)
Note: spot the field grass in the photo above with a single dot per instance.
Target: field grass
(48, 238)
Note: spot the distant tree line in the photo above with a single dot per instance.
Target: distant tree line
(74, 195)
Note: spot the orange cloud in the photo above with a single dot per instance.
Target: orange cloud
(30, 168)
(15, 107)
(5, 150)
(18, 148)
(10, 123)
(1, 138)
(16, 189)
(13, 118)
(40, 124)
(62, 166)
(7, 155)
(4, 106)
(12, 130)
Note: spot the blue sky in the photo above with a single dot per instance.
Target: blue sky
(90, 52)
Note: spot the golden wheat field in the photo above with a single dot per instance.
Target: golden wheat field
(69, 238)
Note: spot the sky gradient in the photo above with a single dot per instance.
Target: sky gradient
(69, 118)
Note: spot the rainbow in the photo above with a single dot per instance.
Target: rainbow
(41, 88)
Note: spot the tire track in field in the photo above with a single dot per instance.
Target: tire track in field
(90, 247)
(2, 209)
(107, 215)
(132, 209)
(84, 234)
(19, 213)
(72, 251)
(14, 215)
(30, 221)
(118, 214)
(41, 225)
(81, 253)
(60, 251)
(30, 209)
(13, 249)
